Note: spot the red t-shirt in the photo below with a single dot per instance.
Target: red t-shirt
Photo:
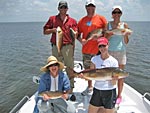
(85, 26)
(55, 21)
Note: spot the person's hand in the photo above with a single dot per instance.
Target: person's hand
(115, 77)
(127, 33)
(94, 37)
(110, 33)
(81, 75)
(84, 41)
(54, 30)
(46, 97)
(65, 96)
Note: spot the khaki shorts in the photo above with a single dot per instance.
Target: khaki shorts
(67, 57)
(120, 56)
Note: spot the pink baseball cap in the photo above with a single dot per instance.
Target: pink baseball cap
(102, 41)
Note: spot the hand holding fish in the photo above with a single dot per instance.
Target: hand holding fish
(54, 30)
(46, 97)
(81, 75)
(65, 96)
(84, 41)
(115, 77)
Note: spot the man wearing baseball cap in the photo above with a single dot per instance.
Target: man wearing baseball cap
(66, 53)
(86, 25)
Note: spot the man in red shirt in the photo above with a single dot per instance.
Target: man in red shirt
(86, 25)
(65, 22)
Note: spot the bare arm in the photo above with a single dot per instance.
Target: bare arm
(126, 36)
(49, 31)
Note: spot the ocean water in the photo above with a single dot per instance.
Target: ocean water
(24, 49)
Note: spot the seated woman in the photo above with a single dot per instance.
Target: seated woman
(54, 79)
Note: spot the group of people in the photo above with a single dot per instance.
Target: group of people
(112, 49)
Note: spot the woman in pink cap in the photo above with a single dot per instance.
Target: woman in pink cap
(104, 92)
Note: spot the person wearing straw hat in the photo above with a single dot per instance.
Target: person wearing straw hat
(54, 79)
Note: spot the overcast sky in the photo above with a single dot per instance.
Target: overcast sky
(40, 10)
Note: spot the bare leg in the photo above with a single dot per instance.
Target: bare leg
(93, 109)
(120, 83)
(102, 110)
(109, 110)
(89, 83)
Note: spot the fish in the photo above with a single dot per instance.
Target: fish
(120, 31)
(52, 94)
(59, 39)
(73, 34)
(96, 31)
(103, 74)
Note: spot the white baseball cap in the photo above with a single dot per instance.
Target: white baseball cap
(117, 7)
(88, 2)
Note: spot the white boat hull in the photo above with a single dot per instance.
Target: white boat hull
(132, 101)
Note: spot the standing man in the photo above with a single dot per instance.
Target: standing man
(86, 25)
(65, 22)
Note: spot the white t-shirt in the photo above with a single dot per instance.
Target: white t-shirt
(99, 63)
(54, 83)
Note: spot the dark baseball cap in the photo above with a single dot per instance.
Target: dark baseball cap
(62, 3)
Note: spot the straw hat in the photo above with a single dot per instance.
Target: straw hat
(52, 60)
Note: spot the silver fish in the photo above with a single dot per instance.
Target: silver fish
(96, 31)
(103, 74)
(120, 31)
(59, 39)
(73, 34)
(52, 94)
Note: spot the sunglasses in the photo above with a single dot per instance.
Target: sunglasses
(100, 46)
(63, 7)
(116, 12)
(56, 64)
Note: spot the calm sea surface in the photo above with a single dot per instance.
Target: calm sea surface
(24, 49)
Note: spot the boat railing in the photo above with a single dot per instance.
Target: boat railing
(20, 104)
(145, 94)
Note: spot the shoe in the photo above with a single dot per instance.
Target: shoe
(87, 91)
(119, 100)
(73, 97)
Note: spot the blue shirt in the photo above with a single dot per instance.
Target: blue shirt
(45, 82)
(116, 42)
(45, 85)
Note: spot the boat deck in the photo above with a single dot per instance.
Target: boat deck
(132, 101)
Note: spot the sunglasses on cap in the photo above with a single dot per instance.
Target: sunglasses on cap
(116, 12)
(101, 46)
(63, 7)
(56, 64)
